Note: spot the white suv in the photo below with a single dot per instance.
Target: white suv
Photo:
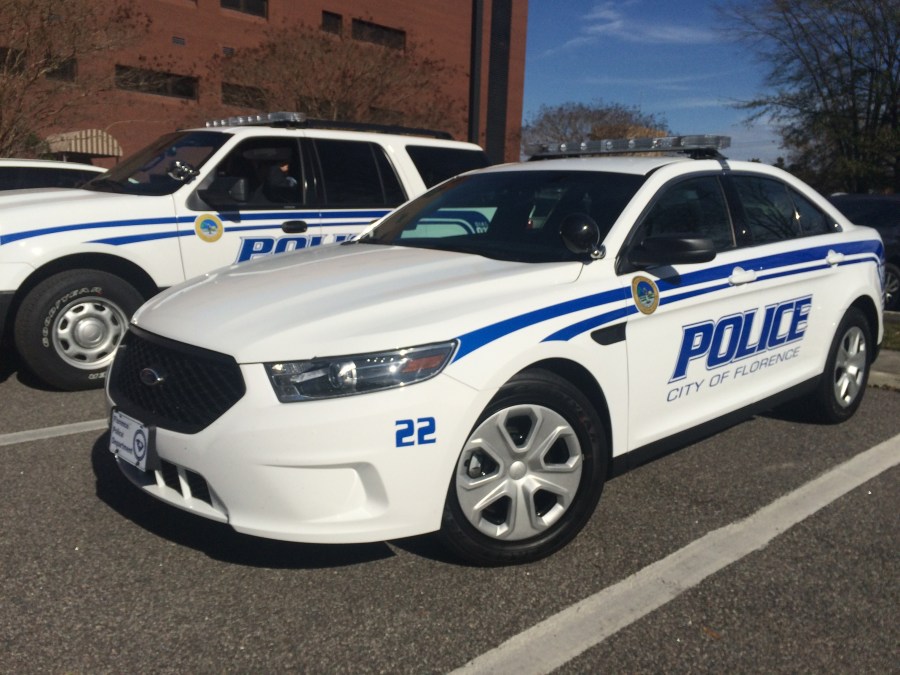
(482, 359)
(74, 265)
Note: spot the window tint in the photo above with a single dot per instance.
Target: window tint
(768, 209)
(691, 208)
(17, 178)
(357, 175)
(811, 220)
(271, 169)
(436, 165)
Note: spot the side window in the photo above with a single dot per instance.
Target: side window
(357, 174)
(811, 220)
(436, 164)
(691, 208)
(270, 168)
(768, 209)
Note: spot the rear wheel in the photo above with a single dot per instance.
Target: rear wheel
(529, 475)
(69, 325)
(846, 373)
(891, 287)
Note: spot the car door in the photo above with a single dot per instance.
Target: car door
(255, 202)
(708, 338)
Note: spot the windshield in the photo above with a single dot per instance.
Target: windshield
(513, 215)
(162, 167)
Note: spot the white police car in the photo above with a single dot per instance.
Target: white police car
(482, 359)
(75, 264)
(25, 174)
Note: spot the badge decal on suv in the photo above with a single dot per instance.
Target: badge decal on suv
(645, 294)
(208, 227)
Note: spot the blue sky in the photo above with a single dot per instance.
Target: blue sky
(667, 57)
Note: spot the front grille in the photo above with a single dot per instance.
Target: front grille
(191, 387)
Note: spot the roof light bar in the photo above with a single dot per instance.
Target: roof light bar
(608, 146)
(260, 119)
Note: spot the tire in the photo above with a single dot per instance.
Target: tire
(516, 497)
(843, 383)
(891, 287)
(68, 326)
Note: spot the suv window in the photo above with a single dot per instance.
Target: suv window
(357, 174)
(271, 169)
(691, 208)
(436, 164)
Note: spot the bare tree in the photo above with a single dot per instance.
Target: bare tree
(42, 45)
(334, 77)
(834, 80)
(576, 122)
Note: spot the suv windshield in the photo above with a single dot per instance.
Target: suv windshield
(507, 215)
(162, 167)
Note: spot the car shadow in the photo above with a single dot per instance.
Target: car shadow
(216, 540)
(221, 542)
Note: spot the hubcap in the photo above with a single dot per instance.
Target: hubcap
(850, 366)
(86, 332)
(519, 472)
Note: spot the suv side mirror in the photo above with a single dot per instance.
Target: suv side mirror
(655, 251)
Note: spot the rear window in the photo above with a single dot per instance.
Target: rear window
(436, 164)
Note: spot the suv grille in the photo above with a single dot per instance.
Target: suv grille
(184, 388)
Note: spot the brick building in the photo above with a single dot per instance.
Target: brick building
(184, 34)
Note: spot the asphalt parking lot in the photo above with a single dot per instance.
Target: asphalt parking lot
(96, 577)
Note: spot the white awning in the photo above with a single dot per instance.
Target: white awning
(93, 142)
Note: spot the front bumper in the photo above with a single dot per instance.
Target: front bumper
(331, 471)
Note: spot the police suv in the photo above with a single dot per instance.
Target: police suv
(74, 265)
(481, 360)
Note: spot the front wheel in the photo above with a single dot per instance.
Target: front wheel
(69, 325)
(843, 383)
(891, 287)
(529, 475)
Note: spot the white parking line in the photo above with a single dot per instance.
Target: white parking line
(52, 432)
(560, 638)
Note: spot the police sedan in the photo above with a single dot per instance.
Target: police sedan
(480, 361)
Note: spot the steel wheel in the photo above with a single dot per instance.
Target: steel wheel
(86, 332)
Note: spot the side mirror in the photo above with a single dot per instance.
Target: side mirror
(655, 251)
(581, 235)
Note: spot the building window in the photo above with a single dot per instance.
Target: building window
(64, 71)
(156, 82)
(379, 35)
(243, 96)
(254, 7)
(332, 23)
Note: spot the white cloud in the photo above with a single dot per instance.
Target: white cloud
(609, 20)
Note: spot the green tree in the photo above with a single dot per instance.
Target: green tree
(576, 122)
(332, 76)
(43, 46)
(833, 85)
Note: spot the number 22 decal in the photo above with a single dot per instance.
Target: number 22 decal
(420, 431)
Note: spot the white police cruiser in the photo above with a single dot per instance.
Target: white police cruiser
(482, 359)
(74, 265)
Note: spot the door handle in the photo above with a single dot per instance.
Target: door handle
(294, 226)
(741, 276)
(834, 258)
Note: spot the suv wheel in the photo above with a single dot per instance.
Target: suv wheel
(69, 325)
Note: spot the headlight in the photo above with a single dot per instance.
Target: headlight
(357, 374)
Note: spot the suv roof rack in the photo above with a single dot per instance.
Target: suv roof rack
(696, 147)
(298, 120)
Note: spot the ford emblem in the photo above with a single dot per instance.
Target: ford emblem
(152, 376)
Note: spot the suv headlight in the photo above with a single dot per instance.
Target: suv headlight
(357, 374)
